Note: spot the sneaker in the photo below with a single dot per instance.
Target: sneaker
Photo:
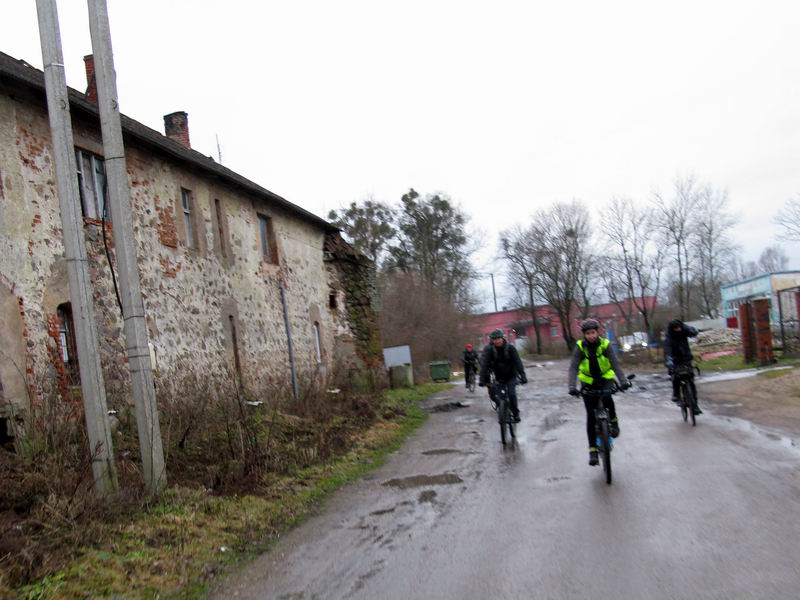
(593, 458)
(697, 411)
(675, 399)
(613, 429)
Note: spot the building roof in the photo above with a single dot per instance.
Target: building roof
(21, 72)
(759, 276)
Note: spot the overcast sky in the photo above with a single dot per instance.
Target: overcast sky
(505, 106)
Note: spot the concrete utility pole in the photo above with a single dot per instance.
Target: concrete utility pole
(93, 388)
(125, 247)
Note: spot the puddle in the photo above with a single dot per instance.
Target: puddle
(442, 451)
(424, 480)
(548, 440)
(448, 406)
(384, 511)
(427, 496)
(553, 420)
(733, 375)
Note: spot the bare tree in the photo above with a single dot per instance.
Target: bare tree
(635, 260)
(560, 237)
(674, 217)
(773, 259)
(519, 250)
(788, 219)
(712, 246)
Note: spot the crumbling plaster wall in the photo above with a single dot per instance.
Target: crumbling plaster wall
(189, 294)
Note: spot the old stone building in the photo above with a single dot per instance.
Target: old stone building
(215, 251)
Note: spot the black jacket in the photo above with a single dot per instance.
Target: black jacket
(676, 343)
(470, 357)
(504, 362)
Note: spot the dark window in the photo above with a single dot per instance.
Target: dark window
(235, 342)
(267, 238)
(333, 301)
(69, 347)
(187, 205)
(92, 185)
(220, 230)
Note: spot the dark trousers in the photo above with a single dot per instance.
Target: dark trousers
(512, 396)
(590, 404)
(676, 387)
(469, 368)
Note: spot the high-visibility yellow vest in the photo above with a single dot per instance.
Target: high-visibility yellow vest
(606, 372)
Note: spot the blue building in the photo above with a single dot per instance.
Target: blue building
(766, 285)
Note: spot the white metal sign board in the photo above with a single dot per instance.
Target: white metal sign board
(397, 356)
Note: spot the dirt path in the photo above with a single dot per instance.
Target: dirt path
(770, 399)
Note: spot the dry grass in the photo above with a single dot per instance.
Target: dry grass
(241, 466)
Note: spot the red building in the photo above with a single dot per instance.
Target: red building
(518, 323)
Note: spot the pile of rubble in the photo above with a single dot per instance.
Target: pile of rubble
(715, 340)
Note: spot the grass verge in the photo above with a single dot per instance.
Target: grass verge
(178, 546)
(735, 362)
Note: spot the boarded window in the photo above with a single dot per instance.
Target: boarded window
(267, 241)
(69, 347)
(187, 206)
(317, 342)
(223, 250)
(92, 185)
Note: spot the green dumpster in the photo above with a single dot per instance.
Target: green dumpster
(440, 370)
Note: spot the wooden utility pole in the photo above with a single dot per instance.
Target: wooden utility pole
(80, 291)
(125, 248)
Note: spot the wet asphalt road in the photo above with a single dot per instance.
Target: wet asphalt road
(710, 512)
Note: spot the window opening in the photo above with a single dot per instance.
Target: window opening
(317, 342)
(333, 301)
(92, 185)
(553, 331)
(265, 227)
(69, 347)
(187, 204)
(220, 231)
(235, 341)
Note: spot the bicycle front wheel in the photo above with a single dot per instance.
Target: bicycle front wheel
(606, 450)
(692, 402)
(684, 410)
(502, 414)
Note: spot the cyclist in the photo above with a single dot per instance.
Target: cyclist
(502, 359)
(595, 364)
(678, 353)
(470, 360)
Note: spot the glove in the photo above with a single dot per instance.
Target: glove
(669, 363)
(574, 392)
(523, 381)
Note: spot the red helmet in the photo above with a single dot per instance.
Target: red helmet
(468, 346)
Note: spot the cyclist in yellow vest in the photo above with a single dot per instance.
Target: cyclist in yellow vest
(595, 364)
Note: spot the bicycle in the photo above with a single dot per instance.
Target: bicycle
(504, 416)
(687, 398)
(605, 443)
(471, 378)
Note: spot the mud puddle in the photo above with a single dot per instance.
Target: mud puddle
(438, 451)
(448, 406)
(424, 480)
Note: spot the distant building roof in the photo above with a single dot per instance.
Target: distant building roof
(759, 276)
(21, 72)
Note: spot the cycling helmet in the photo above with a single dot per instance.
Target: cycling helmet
(497, 334)
(468, 346)
(590, 324)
